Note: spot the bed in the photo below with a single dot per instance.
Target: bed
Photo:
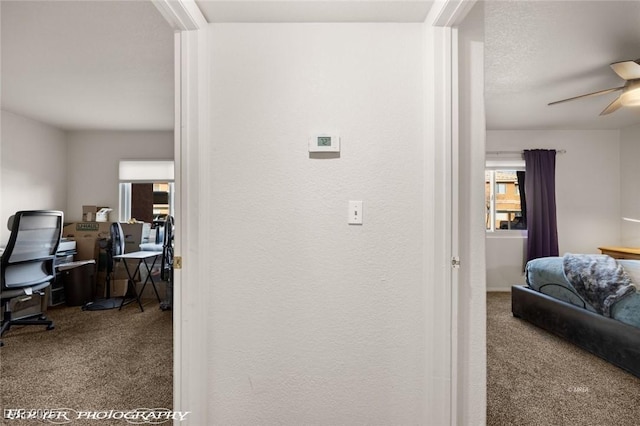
(559, 305)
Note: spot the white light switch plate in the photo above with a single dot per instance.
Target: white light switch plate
(355, 212)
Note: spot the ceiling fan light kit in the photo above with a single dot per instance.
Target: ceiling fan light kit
(630, 97)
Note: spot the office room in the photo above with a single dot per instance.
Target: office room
(86, 86)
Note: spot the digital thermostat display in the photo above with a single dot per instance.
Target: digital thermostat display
(324, 140)
(324, 143)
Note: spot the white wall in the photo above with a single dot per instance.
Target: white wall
(587, 196)
(44, 167)
(313, 321)
(629, 194)
(93, 158)
(33, 167)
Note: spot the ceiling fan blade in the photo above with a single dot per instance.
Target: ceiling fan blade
(613, 106)
(601, 92)
(629, 70)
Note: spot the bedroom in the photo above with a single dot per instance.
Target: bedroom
(544, 52)
(559, 58)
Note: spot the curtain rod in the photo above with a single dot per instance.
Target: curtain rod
(558, 151)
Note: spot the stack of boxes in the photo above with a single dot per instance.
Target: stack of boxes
(92, 236)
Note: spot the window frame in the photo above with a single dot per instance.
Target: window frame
(143, 171)
(493, 166)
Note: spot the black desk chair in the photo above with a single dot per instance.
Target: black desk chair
(27, 266)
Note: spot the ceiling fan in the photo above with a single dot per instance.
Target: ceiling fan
(630, 96)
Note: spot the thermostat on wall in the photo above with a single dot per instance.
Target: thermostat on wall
(324, 143)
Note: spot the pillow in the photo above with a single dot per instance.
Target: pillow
(632, 268)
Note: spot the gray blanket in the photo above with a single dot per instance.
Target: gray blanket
(599, 279)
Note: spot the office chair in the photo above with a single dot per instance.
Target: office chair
(114, 246)
(27, 265)
(166, 265)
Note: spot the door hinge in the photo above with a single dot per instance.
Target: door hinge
(177, 262)
(455, 262)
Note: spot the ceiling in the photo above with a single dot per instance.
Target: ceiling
(88, 64)
(109, 64)
(538, 52)
(315, 11)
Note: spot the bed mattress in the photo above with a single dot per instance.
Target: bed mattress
(546, 275)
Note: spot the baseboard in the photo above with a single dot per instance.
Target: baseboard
(498, 290)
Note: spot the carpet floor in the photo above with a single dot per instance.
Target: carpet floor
(122, 360)
(92, 360)
(536, 378)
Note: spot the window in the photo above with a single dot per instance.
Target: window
(503, 197)
(147, 202)
(162, 200)
(146, 190)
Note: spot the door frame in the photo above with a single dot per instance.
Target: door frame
(190, 354)
(443, 20)
(192, 94)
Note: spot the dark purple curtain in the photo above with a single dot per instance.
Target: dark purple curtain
(523, 198)
(540, 190)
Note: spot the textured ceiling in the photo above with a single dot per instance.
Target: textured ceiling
(538, 52)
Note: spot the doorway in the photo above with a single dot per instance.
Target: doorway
(96, 169)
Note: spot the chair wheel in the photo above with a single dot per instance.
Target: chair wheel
(51, 327)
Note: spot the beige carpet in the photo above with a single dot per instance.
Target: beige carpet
(96, 360)
(535, 378)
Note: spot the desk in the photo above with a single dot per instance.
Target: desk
(141, 257)
(621, 252)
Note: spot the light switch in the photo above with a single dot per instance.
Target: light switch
(355, 212)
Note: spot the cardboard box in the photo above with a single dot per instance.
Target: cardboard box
(95, 213)
(87, 236)
(87, 248)
(86, 229)
(89, 213)
(132, 236)
(118, 286)
(90, 235)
